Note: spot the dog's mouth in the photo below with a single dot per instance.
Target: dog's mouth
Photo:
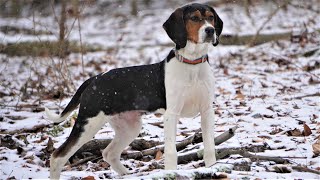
(212, 39)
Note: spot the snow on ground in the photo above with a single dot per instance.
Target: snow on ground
(267, 91)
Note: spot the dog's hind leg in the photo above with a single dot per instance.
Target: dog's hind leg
(127, 126)
(83, 130)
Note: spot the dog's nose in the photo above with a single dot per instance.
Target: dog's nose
(209, 31)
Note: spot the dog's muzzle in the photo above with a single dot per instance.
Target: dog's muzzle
(211, 36)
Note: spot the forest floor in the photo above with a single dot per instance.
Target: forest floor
(270, 91)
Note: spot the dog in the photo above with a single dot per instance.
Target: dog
(182, 85)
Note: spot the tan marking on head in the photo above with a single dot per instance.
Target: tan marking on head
(208, 14)
(193, 27)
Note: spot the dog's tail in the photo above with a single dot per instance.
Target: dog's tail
(73, 104)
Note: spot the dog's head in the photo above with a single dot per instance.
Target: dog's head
(198, 23)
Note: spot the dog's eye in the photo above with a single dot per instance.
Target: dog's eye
(195, 19)
(210, 18)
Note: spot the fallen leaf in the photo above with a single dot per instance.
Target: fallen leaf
(50, 147)
(306, 130)
(316, 147)
(158, 124)
(239, 95)
(281, 169)
(257, 140)
(265, 137)
(295, 132)
(88, 178)
(314, 116)
(158, 115)
(158, 155)
(220, 176)
(223, 91)
(225, 71)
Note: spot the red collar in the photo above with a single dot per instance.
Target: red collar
(188, 61)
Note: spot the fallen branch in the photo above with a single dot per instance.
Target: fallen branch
(82, 161)
(253, 157)
(33, 129)
(231, 39)
(253, 40)
(308, 95)
(95, 146)
(181, 145)
(305, 169)
(243, 151)
(220, 153)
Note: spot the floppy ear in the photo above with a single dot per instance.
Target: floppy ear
(218, 25)
(176, 29)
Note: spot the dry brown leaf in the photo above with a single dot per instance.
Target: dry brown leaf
(295, 132)
(240, 96)
(316, 147)
(88, 178)
(306, 130)
(257, 140)
(225, 71)
(158, 124)
(264, 137)
(223, 91)
(158, 115)
(50, 147)
(158, 155)
(221, 176)
(281, 169)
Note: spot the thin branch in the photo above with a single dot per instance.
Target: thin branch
(81, 47)
(305, 169)
(253, 40)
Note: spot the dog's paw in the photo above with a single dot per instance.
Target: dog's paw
(210, 160)
(170, 165)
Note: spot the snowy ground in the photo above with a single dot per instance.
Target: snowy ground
(267, 90)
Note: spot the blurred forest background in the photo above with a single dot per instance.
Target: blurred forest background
(56, 28)
(267, 69)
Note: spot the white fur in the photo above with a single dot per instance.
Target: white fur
(126, 125)
(202, 33)
(189, 91)
(90, 129)
(56, 118)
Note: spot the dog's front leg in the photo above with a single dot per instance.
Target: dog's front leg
(207, 126)
(170, 151)
(208, 121)
(174, 106)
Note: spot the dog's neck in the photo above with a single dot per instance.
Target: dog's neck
(194, 51)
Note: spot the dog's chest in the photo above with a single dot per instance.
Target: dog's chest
(190, 85)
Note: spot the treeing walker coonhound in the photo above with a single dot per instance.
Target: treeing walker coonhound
(182, 84)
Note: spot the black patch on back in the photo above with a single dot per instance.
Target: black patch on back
(126, 89)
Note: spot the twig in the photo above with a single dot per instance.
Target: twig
(96, 145)
(252, 41)
(82, 161)
(220, 153)
(253, 157)
(218, 140)
(285, 58)
(25, 130)
(305, 169)
(81, 47)
(308, 95)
